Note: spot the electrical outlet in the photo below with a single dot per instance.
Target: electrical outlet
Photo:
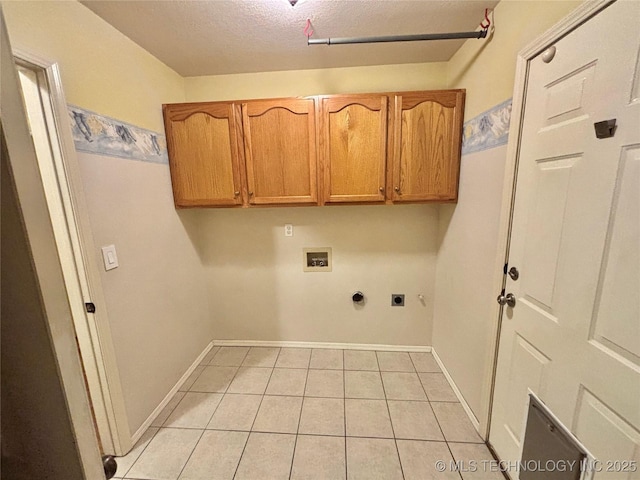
(288, 230)
(397, 299)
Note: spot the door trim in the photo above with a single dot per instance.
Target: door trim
(93, 332)
(565, 26)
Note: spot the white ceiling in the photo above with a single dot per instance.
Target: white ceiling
(237, 36)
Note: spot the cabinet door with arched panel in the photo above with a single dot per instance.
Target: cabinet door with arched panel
(280, 151)
(353, 147)
(203, 140)
(425, 140)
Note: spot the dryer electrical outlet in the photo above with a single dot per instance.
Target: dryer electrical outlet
(397, 299)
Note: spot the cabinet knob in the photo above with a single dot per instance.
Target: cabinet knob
(251, 194)
(236, 193)
(382, 189)
(397, 189)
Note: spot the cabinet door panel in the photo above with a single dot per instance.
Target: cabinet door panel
(203, 154)
(280, 149)
(353, 142)
(426, 157)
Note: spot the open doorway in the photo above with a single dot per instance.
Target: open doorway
(49, 125)
(47, 429)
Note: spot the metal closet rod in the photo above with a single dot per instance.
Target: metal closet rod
(397, 38)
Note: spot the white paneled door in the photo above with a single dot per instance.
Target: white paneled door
(573, 336)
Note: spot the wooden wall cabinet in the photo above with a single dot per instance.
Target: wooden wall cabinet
(280, 151)
(204, 158)
(366, 148)
(426, 142)
(353, 147)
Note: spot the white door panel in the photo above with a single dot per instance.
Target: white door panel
(528, 366)
(615, 322)
(608, 436)
(574, 335)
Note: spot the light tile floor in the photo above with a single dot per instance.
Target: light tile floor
(293, 413)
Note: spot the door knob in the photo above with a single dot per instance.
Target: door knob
(509, 299)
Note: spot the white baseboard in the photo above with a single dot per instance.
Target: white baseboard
(458, 393)
(147, 423)
(342, 346)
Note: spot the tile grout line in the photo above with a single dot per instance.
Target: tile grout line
(173, 409)
(395, 441)
(295, 444)
(319, 435)
(204, 429)
(138, 457)
(420, 381)
(344, 406)
(237, 367)
(257, 411)
(320, 396)
(195, 379)
(171, 412)
(212, 414)
(186, 391)
(435, 416)
(191, 454)
(302, 398)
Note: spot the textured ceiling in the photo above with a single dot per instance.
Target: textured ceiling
(237, 36)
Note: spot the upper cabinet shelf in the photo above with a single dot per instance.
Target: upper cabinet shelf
(330, 149)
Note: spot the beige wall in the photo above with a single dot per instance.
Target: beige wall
(468, 236)
(259, 291)
(487, 68)
(419, 76)
(155, 301)
(255, 279)
(102, 70)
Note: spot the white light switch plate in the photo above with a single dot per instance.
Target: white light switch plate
(110, 257)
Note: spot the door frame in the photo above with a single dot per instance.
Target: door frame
(94, 339)
(23, 167)
(565, 26)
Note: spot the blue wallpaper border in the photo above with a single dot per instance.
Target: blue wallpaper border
(102, 135)
(488, 130)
